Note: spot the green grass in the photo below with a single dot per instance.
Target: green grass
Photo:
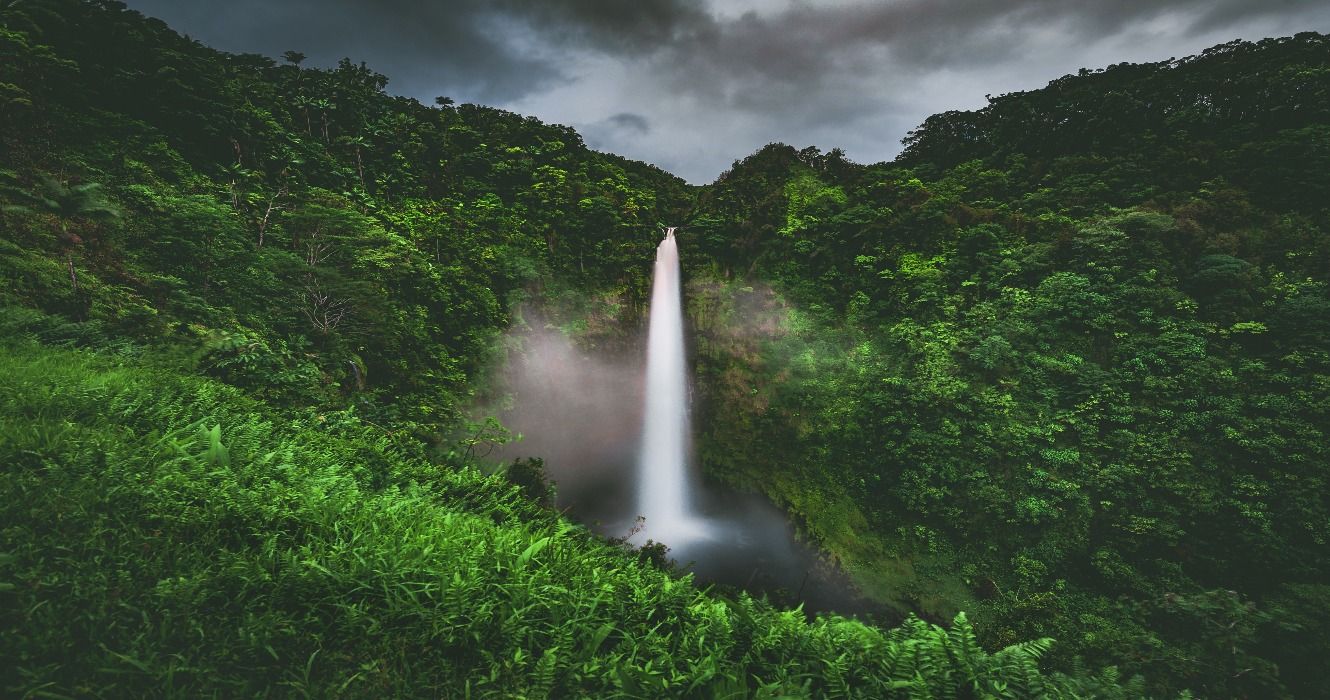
(166, 536)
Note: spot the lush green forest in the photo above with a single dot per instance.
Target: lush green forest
(1055, 383)
(1064, 365)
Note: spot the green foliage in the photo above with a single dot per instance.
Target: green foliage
(165, 537)
(367, 247)
(529, 475)
(1044, 367)
(1063, 365)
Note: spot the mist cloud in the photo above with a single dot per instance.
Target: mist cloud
(581, 412)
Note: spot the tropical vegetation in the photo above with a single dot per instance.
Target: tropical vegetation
(1054, 385)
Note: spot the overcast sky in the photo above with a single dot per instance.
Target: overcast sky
(692, 85)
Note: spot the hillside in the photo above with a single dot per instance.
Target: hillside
(248, 304)
(313, 230)
(166, 537)
(1063, 365)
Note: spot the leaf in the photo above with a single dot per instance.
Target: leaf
(597, 639)
(533, 550)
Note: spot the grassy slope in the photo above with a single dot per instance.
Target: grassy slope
(167, 536)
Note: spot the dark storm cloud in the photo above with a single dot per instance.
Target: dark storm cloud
(630, 122)
(476, 49)
(862, 74)
(1227, 13)
(631, 27)
(425, 48)
(718, 78)
(804, 42)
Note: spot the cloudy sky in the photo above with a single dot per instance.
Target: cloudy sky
(692, 85)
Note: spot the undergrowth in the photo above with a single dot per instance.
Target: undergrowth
(166, 536)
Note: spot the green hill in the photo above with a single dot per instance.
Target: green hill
(1064, 365)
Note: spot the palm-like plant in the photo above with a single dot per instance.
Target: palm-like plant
(67, 204)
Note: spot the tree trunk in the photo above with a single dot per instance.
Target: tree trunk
(73, 272)
(207, 266)
(267, 214)
(360, 167)
(69, 255)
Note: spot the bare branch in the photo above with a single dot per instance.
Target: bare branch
(324, 311)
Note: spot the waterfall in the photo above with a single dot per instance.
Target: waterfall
(663, 495)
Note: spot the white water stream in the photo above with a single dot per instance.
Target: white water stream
(664, 495)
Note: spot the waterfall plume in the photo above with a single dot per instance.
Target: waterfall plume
(664, 495)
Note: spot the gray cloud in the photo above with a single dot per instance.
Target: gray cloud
(633, 28)
(805, 44)
(461, 48)
(693, 84)
(630, 122)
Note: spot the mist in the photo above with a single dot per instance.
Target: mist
(580, 409)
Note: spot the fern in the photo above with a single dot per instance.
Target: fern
(965, 649)
(186, 518)
(542, 685)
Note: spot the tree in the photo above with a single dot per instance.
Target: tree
(68, 205)
(357, 143)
